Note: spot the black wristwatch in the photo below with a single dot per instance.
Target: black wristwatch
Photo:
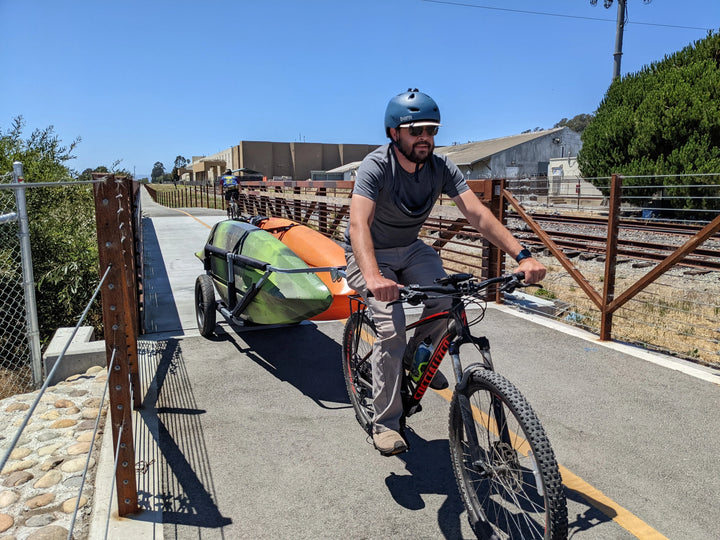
(524, 254)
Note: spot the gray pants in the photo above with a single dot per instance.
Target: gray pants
(417, 263)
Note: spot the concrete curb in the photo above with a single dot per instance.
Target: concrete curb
(144, 524)
(684, 366)
(82, 354)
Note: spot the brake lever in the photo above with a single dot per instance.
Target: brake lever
(510, 286)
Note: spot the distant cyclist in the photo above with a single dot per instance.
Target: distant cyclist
(230, 187)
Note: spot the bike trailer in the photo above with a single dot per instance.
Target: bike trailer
(259, 279)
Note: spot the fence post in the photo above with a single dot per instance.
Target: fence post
(495, 260)
(611, 249)
(113, 212)
(33, 328)
(322, 211)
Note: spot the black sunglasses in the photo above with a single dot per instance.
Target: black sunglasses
(416, 131)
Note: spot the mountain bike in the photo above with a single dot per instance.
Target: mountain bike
(504, 466)
(233, 210)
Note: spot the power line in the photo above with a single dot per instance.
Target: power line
(561, 15)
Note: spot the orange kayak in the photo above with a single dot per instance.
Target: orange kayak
(316, 250)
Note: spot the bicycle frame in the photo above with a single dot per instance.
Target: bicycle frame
(457, 334)
(450, 342)
(488, 415)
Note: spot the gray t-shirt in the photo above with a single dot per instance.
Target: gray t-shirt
(403, 200)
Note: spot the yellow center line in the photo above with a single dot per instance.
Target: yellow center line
(595, 498)
(190, 215)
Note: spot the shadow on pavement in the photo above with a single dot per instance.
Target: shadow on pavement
(160, 312)
(186, 491)
(428, 463)
(595, 513)
(301, 355)
(431, 473)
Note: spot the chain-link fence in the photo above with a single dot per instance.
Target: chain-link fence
(15, 354)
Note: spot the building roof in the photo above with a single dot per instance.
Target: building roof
(347, 167)
(470, 153)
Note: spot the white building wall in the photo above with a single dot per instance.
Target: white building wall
(565, 180)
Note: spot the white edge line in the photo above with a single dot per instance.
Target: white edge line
(699, 372)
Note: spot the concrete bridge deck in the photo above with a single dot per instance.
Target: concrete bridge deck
(251, 435)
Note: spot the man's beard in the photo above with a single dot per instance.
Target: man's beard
(412, 154)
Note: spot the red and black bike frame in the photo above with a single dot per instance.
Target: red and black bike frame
(457, 334)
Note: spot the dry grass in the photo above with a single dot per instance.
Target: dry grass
(15, 381)
(678, 314)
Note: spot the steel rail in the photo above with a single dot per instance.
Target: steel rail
(710, 262)
(627, 224)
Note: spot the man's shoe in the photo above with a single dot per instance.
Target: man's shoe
(389, 443)
(439, 381)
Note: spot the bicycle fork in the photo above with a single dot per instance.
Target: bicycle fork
(502, 448)
(462, 376)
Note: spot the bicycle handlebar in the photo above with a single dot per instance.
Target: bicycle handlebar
(460, 283)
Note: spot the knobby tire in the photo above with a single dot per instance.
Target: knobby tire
(205, 305)
(358, 336)
(500, 491)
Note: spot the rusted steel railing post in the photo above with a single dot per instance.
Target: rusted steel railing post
(611, 251)
(113, 214)
(134, 189)
(495, 257)
(322, 211)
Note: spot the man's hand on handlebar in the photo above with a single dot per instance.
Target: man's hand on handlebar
(534, 270)
(383, 289)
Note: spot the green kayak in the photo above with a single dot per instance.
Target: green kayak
(273, 297)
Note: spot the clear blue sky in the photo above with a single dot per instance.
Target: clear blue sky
(146, 81)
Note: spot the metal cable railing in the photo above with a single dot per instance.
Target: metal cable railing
(87, 461)
(117, 215)
(115, 468)
(45, 385)
(463, 250)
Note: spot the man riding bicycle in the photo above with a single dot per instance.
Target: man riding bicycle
(230, 187)
(395, 190)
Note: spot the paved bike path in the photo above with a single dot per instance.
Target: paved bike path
(255, 437)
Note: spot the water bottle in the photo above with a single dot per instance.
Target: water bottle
(421, 359)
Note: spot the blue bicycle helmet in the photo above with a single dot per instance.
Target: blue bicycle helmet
(410, 106)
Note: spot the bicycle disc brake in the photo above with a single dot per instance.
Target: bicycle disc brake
(505, 464)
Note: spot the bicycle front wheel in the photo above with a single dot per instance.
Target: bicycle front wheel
(358, 338)
(503, 462)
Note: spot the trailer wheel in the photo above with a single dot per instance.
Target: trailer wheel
(205, 306)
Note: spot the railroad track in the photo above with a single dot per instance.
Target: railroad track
(639, 239)
(640, 225)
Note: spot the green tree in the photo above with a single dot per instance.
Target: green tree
(577, 123)
(157, 171)
(62, 227)
(662, 120)
(180, 162)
